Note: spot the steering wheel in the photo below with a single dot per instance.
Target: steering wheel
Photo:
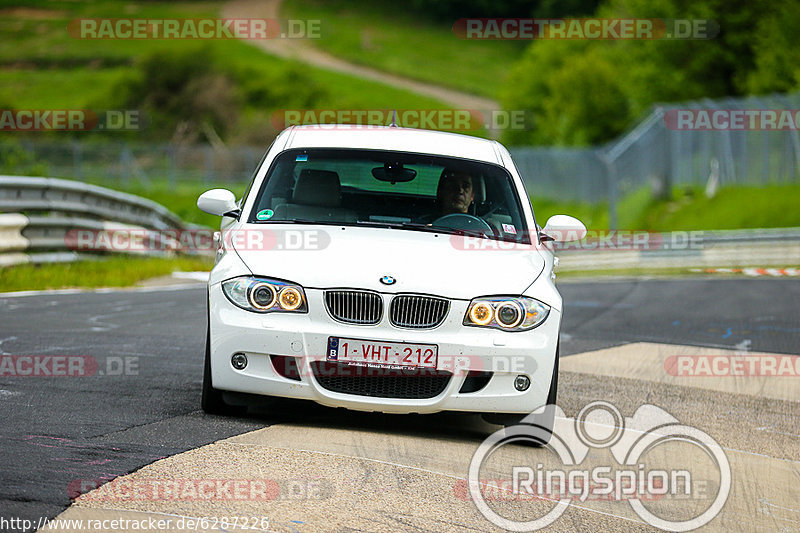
(494, 209)
(463, 221)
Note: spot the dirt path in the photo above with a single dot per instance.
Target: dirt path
(300, 50)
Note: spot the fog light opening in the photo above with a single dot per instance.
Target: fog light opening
(521, 383)
(239, 361)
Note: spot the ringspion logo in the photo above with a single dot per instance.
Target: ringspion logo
(674, 481)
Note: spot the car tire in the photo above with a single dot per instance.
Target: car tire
(544, 420)
(211, 400)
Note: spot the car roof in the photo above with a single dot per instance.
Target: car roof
(367, 137)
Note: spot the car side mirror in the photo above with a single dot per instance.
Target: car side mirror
(220, 202)
(562, 228)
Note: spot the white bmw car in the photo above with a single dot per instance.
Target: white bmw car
(384, 269)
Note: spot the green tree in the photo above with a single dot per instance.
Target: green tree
(575, 96)
(182, 92)
(585, 92)
(777, 54)
(193, 94)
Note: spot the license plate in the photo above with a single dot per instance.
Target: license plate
(383, 354)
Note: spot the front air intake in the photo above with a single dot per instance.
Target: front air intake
(354, 307)
(418, 312)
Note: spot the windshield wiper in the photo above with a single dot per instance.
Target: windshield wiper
(379, 224)
(417, 225)
(401, 225)
(422, 227)
(305, 221)
(467, 232)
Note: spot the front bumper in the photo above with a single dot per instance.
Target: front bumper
(305, 337)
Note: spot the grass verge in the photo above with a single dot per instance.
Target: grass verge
(391, 39)
(773, 206)
(659, 272)
(631, 273)
(43, 67)
(116, 271)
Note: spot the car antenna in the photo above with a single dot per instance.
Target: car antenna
(394, 119)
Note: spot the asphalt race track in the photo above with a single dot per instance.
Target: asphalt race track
(142, 402)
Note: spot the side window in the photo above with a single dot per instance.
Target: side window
(240, 203)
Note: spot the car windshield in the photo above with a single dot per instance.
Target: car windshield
(416, 192)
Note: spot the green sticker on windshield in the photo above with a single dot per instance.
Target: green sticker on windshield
(265, 214)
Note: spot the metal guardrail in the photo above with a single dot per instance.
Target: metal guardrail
(37, 215)
(718, 248)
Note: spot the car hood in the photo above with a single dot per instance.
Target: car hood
(422, 262)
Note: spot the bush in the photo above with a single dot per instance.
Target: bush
(576, 98)
(586, 92)
(777, 56)
(15, 160)
(191, 94)
(181, 91)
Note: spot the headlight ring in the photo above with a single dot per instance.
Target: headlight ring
(265, 295)
(506, 313)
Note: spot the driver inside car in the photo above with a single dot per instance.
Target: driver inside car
(455, 192)
(454, 195)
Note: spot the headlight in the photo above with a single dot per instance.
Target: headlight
(481, 313)
(264, 295)
(508, 313)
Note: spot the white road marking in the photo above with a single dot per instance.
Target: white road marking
(752, 271)
(769, 429)
(766, 502)
(102, 290)
(198, 276)
(1, 345)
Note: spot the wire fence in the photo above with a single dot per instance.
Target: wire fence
(661, 152)
(746, 141)
(139, 165)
